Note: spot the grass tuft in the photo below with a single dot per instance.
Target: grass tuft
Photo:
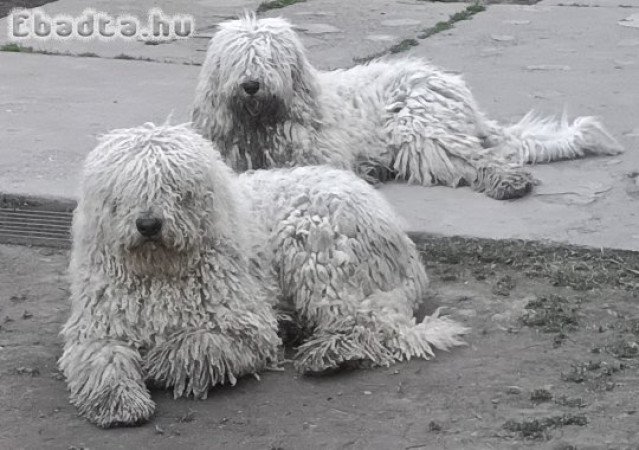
(276, 4)
(538, 428)
(15, 48)
(403, 46)
(581, 268)
(466, 14)
(553, 314)
(406, 44)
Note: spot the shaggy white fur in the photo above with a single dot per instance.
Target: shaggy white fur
(178, 264)
(263, 103)
(180, 304)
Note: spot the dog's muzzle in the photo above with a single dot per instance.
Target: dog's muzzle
(149, 227)
(251, 87)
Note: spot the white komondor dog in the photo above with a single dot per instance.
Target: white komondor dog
(180, 268)
(262, 102)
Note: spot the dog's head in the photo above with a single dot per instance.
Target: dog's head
(255, 73)
(154, 196)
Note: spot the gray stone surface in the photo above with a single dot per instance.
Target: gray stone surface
(323, 24)
(52, 107)
(589, 202)
(207, 14)
(358, 19)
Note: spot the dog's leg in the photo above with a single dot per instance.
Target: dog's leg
(437, 136)
(194, 361)
(106, 382)
(457, 161)
(329, 264)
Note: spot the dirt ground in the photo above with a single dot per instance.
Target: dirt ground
(547, 366)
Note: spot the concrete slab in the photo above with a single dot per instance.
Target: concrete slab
(628, 4)
(360, 27)
(554, 57)
(586, 64)
(53, 107)
(324, 25)
(207, 14)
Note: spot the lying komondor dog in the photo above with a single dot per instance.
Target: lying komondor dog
(262, 102)
(178, 266)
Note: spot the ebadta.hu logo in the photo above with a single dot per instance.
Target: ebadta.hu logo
(91, 24)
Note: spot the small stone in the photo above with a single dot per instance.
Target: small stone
(159, 429)
(621, 64)
(547, 94)
(308, 426)
(23, 370)
(491, 51)
(517, 22)
(400, 23)
(381, 38)
(548, 67)
(540, 395)
(502, 37)
(514, 390)
(630, 21)
(466, 312)
(495, 401)
(315, 13)
(367, 392)
(628, 43)
(320, 28)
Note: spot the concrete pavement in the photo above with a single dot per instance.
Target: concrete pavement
(515, 58)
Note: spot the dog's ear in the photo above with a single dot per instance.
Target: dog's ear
(210, 115)
(302, 76)
(304, 108)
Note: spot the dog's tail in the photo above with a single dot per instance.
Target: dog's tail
(541, 140)
(433, 332)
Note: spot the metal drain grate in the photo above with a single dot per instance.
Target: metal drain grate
(33, 227)
(32, 221)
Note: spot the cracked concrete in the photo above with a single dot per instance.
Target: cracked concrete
(515, 58)
(321, 23)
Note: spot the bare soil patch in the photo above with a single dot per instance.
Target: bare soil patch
(546, 366)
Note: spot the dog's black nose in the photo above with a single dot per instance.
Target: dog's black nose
(251, 87)
(148, 226)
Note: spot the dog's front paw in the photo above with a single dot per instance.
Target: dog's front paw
(193, 362)
(122, 404)
(504, 184)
